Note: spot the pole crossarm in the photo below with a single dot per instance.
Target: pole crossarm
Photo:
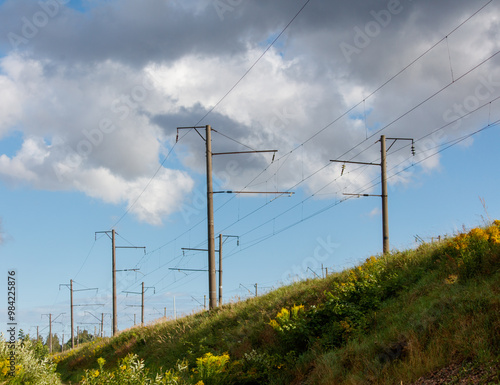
(189, 128)
(408, 139)
(363, 195)
(175, 268)
(132, 247)
(352, 162)
(253, 192)
(128, 270)
(188, 248)
(242, 152)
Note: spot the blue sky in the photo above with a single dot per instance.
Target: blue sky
(87, 121)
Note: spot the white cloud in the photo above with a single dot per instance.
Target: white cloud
(96, 113)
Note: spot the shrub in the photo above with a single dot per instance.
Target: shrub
(31, 365)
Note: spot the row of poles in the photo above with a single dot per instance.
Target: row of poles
(210, 193)
(212, 284)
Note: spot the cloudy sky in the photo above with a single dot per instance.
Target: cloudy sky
(92, 93)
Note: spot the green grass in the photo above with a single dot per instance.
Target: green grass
(390, 320)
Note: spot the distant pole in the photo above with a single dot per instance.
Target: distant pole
(165, 312)
(102, 325)
(134, 319)
(77, 335)
(113, 254)
(37, 335)
(255, 290)
(212, 285)
(220, 269)
(175, 311)
(72, 319)
(50, 333)
(142, 305)
(385, 210)
(205, 302)
(326, 271)
(62, 344)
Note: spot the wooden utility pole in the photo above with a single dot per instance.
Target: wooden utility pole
(385, 210)
(50, 333)
(212, 284)
(102, 325)
(220, 269)
(72, 319)
(113, 269)
(143, 289)
(49, 340)
(72, 305)
(383, 176)
(113, 272)
(212, 288)
(142, 305)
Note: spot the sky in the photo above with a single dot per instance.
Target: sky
(93, 93)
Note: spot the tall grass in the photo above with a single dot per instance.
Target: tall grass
(389, 320)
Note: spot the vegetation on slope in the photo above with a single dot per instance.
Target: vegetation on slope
(390, 320)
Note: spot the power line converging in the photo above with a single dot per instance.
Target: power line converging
(350, 168)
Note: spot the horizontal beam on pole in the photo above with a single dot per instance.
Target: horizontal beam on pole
(253, 192)
(348, 161)
(242, 152)
(364, 195)
(187, 248)
(174, 268)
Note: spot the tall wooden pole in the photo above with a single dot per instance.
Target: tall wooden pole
(142, 305)
(72, 319)
(50, 333)
(385, 210)
(212, 284)
(113, 254)
(220, 269)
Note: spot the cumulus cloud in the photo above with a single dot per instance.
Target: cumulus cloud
(98, 93)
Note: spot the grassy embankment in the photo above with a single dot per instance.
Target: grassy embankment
(390, 320)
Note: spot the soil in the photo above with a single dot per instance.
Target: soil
(463, 373)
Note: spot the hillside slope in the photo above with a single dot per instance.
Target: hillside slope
(406, 317)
